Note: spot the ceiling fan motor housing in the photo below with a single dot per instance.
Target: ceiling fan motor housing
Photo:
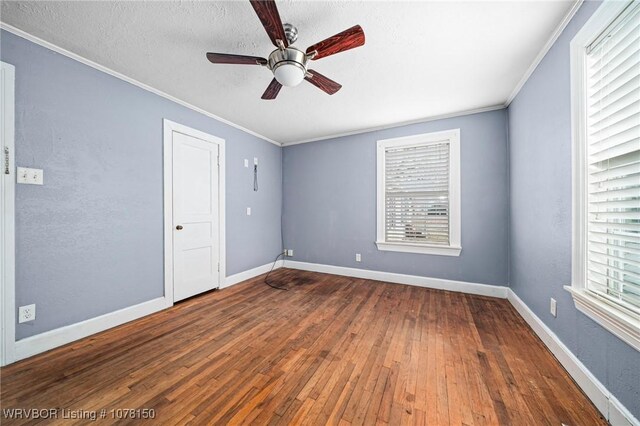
(291, 33)
(289, 65)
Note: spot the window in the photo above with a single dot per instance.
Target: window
(605, 57)
(419, 194)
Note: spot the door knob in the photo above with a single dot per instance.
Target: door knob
(179, 227)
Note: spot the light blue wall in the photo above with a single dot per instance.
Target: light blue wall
(540, 161)
(90, 241)
(330, 202)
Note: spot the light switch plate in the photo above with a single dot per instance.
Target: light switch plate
(248, 211)
(553, 307)
(358, 257)
(26, 313)
(30, 176)
(246, 162)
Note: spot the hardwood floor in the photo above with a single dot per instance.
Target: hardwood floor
(331, 350)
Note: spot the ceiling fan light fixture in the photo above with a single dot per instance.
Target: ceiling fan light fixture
(289, 74)
(289, 66)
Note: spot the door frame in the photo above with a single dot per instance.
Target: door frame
(170, 128)
(7, 222)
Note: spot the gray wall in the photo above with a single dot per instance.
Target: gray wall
(90, 241)
(330, 202)
(540, 160)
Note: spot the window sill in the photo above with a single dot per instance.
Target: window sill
(419, 248)
(623, 325)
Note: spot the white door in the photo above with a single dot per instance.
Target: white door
(196, 218)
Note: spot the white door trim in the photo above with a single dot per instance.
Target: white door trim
(169, 128)
(7, 222)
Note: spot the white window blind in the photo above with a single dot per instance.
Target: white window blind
(613, 157)
(417, 194)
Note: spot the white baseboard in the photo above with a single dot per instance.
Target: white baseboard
(619, 415)
(605, 402)
(246, 275)
(48, 340)
(39, 343)
(436, 283)
(43, 342)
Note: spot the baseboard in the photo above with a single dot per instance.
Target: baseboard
(39, 343)
(619, 415)
(43, 342)
(246, 275)
(604, 401)
(435, 283)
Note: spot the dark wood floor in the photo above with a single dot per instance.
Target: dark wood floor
(332, 350)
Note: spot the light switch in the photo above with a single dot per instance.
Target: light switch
(30, 176)
(246, 162)
(248, 211)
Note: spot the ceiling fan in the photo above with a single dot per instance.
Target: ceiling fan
(288, 64)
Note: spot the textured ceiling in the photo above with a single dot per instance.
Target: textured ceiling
(421, 59)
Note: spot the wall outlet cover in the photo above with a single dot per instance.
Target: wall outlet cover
(255, 161)
(290, 253)
(246, 162)
(26, 313)
(248, 211)
(358, 257)
(553, 307)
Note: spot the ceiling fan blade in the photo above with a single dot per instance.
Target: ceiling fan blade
(323, 83)
(226, 58)
(348, 39)
(267, 11)
(272, 90)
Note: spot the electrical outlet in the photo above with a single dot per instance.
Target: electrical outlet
(358, 257)
(255, 161)
(26, 313)
(289, 253)
(553, 307)
(248, 211)
(246, 162)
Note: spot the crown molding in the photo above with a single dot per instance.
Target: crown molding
(545, 49)
(30, 37)
(401, 124)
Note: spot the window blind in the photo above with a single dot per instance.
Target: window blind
(417, 194)
(613, 156)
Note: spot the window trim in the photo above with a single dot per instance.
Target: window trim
(624, 324)
(454, 248)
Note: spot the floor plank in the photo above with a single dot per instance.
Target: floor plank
(330, 350)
